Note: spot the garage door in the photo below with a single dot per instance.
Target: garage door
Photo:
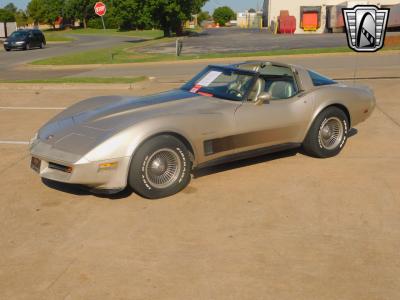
(310, 21)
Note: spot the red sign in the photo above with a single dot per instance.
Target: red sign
(100, 9)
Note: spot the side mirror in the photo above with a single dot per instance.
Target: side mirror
(263, 98)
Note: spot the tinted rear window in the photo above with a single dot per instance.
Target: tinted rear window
(319, 80)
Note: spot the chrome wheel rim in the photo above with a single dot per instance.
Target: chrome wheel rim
(163, 167)
(331, 133)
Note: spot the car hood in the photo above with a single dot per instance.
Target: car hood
(19, 39)
(92, 121)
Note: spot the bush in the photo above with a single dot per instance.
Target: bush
(110, 22)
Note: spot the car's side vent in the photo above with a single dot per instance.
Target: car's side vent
(208, 148)
(59, 167)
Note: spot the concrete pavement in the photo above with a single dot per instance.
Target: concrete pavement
(282, 226)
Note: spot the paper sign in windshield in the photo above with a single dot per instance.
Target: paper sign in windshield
(209, 78)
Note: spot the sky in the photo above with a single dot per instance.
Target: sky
(237, 5)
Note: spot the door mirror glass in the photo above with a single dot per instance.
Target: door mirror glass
(263, 98)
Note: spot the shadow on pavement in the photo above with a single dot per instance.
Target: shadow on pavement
(244, 163)
(79, 190)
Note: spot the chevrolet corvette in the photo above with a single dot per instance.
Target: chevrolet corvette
(152, 144)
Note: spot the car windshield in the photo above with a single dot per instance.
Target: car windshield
(19, 34)
(222, 82)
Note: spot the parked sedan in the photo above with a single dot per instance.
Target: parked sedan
(225, 113)
(25, 40)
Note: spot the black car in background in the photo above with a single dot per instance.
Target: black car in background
(25, 39)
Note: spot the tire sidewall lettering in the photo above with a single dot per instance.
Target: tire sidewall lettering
(345, 133)
(346, 130)
(181, 177)
(146, 184)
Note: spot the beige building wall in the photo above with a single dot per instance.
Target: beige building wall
(293, 6)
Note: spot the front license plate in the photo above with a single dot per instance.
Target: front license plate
(35, 164)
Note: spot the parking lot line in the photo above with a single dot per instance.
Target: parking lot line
(14, 143)
(31, 108)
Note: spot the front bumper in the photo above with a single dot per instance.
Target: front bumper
(14, 46)
(60, 166)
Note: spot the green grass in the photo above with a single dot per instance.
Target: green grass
(124, 54)
(104, 80)
(145, 34)
(56, 37)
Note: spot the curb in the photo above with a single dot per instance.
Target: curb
(77, 86)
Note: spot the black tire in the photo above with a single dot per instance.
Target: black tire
(8, 50)
(317, 140)
(143, 174)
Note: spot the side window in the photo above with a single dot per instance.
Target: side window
(280, 82)
(319, 80)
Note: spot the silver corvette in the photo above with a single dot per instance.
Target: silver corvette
(151, 144)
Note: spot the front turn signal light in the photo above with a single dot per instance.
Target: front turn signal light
(109, 165)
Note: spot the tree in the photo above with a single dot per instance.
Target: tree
(80, 9)
(21, 18)
(252, 10)
(132, 14)
(203, 16)
(169, 15)
(45, 11)
(11, 8)
(6, 16)
(223, 15)
(35, 11)
(52, 9)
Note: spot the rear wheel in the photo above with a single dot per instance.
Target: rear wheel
(160, 168)
(328, 134)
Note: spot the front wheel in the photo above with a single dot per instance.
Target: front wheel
(42, 45)
(328, 134)
(160, 168)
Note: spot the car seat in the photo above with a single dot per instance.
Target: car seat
(258, 88)
(281, 90)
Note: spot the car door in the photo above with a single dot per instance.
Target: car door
(31, 39)
(279, 121)
(37, 37)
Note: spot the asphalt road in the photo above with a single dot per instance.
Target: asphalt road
(9, 60)
(249, 40)
(279, 227)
